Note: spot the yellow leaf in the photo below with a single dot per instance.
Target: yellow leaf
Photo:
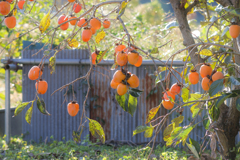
(45, 23)
(100, 36)
(152, 113)
(148, 133)
(167, 132)
(206, 52)
(73, 43)
(17, 34)
(15, 12)
(123, 6)
(100, 55)
(178, 120)
(161, 69)
(96, 130)
(186, 6)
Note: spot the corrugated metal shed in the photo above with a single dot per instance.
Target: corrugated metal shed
(102, 106)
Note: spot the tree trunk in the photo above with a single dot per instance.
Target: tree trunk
(185, 30)
(227, 126)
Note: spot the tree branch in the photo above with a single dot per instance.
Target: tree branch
(191, 6)
(224, 3)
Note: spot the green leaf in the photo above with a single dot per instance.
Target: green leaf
(216, 87)
(152, 113)
(28, 115)
(234, 81)
(42, 107)
(141, 129)
(222, 99)
(20, 108)
(18, 88)
(148, 133)
(52, 63)
(214, 112)
(195, 144)
(193, 150)
(185, 94)
(77, 136)
(154, 50)
(96, 130)
(238, 104)
(135, 92)
(127, 102)
(184, 134)
(206, 122)
(195, 109)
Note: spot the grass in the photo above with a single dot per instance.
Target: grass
(20, 149)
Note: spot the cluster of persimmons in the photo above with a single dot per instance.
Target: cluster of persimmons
(208, 77)
(122, 79)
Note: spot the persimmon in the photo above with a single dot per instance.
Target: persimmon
(73, 22)
(31, 0)
(86, 34)
(93, 61)
(9, 1)
(205, 70)
(122, 89)
(41, 86)
(93, 30)
(21, 4)
(63, 18)
(64, 26)
(234, 30)
(122, 58)
(118, 76)
(82, 22)
(10, 22)
(33, 73)
(77, 7)
(114, 84)
(94, 56)
(168, 94)
(119, 48)
(106, 23)
(71, 1)
(206, 83)
(4, 8)
(216, 76)
(139, 62)
(167, 104)
(95, 23)
(133, 81)
(193, 77)
(73, 108)
(175, 88)
(133, 57)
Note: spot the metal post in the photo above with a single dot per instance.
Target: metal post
(7, 106)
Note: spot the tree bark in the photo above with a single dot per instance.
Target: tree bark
(228, 121)
(185, 30)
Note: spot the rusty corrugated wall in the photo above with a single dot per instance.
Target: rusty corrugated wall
(102, 106)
